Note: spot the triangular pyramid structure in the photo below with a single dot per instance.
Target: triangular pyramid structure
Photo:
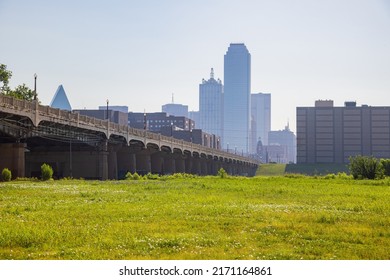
(60, 100)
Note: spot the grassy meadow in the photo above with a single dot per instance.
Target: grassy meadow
(284, 217)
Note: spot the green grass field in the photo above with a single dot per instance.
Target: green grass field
(196, 218)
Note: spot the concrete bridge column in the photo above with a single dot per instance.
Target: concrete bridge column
(180, 165)
(217, 165)
(188, 164)
(112, 164)
(169, 164)
(203, 166)
(211, 167)
(143, 162)
(12, 157)
(103, 165)
(228, 168)
(126, 161)
(196, 166)
(157, 164)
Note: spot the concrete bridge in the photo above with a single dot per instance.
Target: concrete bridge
(83, 147)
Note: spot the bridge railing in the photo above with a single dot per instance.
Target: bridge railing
(13, 102)
(75, 118)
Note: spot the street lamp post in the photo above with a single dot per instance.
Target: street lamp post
(35, 86)
(107, 108)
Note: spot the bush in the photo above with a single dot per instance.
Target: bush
(343, 175)
(134, 176)
(364, 167)
(330, 176)
(222, 173)
(386, 166)
(6, 175)
(128, 176)
(151, 176)
(46, 172)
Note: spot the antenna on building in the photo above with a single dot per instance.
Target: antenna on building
(212, 73)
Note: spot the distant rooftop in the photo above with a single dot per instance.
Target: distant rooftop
(60, 100)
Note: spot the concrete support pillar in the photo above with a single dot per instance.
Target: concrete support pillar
(211, 167)
(180, 165)
(228, 168)
(203, 166)
(126, 162)
(143, 162)
(217, 165)
(196, 166)
(12, 157)
(103, 165)
(188, 164)
(157, 164)
(112, 164)
(169, 164)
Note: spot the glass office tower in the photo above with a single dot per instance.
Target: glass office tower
(261, 119)
(237, 78)
(210, 105)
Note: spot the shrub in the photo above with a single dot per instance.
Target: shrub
(364, 167)
(136, 176)
(343, 175)
(6, 175)
(129, 176)
(386, 166)
(151, 176)
(46, 172)
(222, 173)
(330, 176)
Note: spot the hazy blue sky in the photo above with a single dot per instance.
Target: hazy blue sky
(137, 53)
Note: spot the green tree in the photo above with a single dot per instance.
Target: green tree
(364, 167)
(22, 92)
(386, 166)
(5, 76)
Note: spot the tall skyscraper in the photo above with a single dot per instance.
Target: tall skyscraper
(210, 105)
(60, 100)
(261, 119)
(236, 116)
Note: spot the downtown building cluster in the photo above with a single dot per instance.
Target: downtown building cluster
(230, 117)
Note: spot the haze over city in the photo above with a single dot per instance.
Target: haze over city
(138, 53)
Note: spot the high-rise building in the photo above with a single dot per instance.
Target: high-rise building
(210, 105)
(261, 119)
(194, 115)
(60, 100)
(237, 88)
(178, 110)
(283, 138)
(328, 134)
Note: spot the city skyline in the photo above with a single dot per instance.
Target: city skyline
(144, 52)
